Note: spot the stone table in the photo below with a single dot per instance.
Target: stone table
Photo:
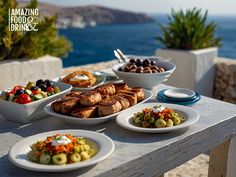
(140, 154)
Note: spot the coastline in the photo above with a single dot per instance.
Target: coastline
(197, 167)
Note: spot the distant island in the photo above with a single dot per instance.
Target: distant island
(92, 15)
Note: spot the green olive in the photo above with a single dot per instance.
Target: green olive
(75, 157)
(32, 156)
(160, 123)
(77, 149)
(84, 155)
(30, 85)
(56, 89)
(151, 120)
(147, 117)
(91, 152)
(169, 123)
(44, 158)
(176, 120)
(59, 159)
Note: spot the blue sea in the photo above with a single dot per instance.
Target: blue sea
(96, 44)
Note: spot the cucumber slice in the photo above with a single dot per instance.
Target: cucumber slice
(44, 94)
(11, 97)
(38, 96)
(28, 92)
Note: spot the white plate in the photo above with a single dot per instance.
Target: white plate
(90, 121)
(179, 93)
(125, 119)
(18, 153)
(101, 78)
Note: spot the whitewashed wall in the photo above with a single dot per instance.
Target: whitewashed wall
(195, 69)
(18, 72)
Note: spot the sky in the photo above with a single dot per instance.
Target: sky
(214, 7)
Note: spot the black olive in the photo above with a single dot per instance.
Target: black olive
(153, 63)
(19, 92)
(48, 83)
(132, 60)
(139, 62)
(43, 87)
(35, 88)
(40, 81)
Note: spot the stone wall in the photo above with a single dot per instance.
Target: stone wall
(225, 80)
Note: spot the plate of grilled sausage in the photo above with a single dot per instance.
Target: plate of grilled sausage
(98, 105)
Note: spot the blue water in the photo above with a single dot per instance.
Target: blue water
(96, 44)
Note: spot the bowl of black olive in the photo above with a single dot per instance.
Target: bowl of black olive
(144, 72)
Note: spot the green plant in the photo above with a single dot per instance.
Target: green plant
(189, 30)
(32, 44)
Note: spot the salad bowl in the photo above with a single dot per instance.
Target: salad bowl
(24, 113)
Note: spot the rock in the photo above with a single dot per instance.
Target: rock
(91, 13)
(225, 81)
(231, 91)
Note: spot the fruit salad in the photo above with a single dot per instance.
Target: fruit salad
(157, 117)
(61, 149)
(31, 92)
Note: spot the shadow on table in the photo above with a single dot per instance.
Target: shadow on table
(109, 128)
(124, 135)
(8, 169)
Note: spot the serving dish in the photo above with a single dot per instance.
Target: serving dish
(24, 113)
(179, 93)
(90, 121)
(18, 153)
(181, 101)
(145, 80)
(100, 76)
(125, 120)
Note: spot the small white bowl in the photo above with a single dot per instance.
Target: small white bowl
(24, 113)
(179, 93)
(145, 80)
(101, 78)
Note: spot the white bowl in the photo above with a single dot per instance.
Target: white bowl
(145, 80)
(23, 113)
(101, 78)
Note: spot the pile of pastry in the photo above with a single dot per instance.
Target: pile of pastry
(102, 101)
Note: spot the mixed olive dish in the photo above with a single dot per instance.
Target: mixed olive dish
(33, 91)
(157, 117)
(61, 149)
(142, 66)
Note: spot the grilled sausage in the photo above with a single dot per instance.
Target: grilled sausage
(85, 112)
(90, 98)
(108, 106)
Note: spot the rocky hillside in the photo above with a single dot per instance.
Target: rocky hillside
(103, 15)
(93, 15)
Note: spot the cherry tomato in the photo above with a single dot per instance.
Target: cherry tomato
(23, 99)
(49, 89)
(35, 92)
